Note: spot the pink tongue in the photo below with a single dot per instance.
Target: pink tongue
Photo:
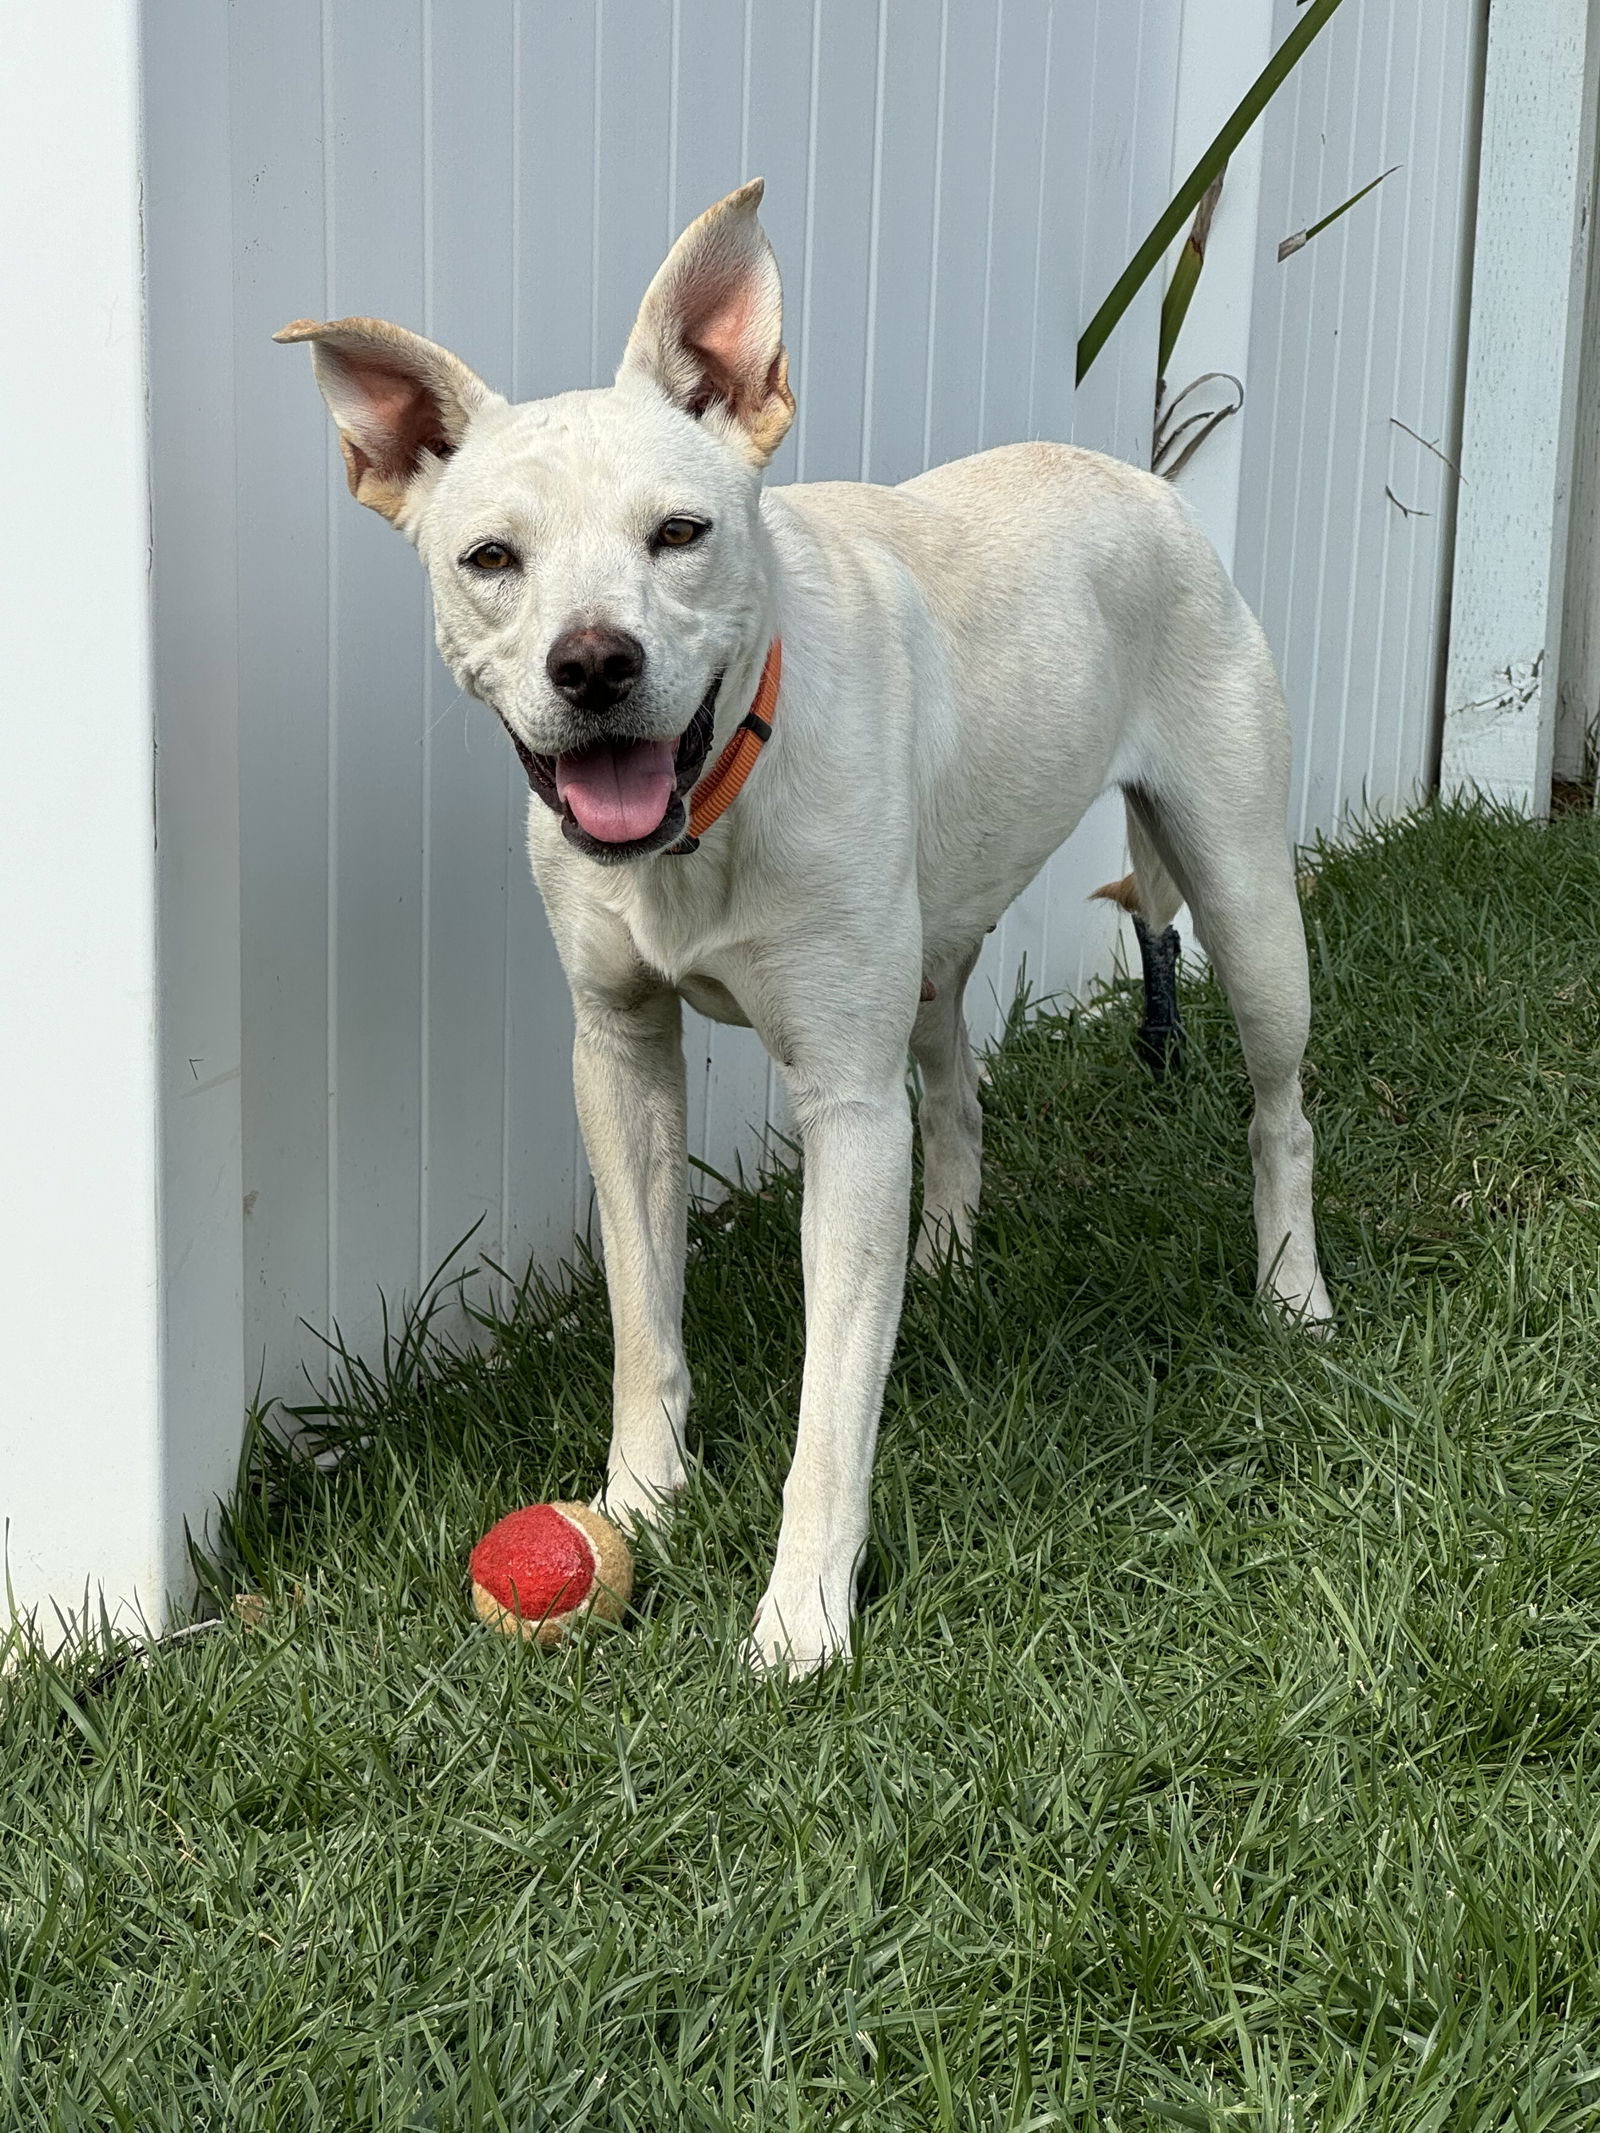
(618, 793)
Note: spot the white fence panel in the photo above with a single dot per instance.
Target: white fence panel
(1354, 383)
(950, 189)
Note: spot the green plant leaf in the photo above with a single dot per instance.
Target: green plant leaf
(1187, 198)
(1301, 238)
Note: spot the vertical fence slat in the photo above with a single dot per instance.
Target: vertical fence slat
(282, 468)
(376, 214)
(472, 770)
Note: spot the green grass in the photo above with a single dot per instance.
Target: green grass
(1222, 1746)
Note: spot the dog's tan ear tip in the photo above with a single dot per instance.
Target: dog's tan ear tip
(748, 197)
(299, 329)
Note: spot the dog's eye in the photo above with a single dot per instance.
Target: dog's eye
(679, 532)
(490, 556)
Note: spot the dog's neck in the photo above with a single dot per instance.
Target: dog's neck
(715, 792)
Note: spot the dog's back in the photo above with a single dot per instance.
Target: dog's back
(1062, 621)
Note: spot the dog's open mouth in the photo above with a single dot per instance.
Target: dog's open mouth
(620, 791)
(621, 799)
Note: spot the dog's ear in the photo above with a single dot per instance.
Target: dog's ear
(401, 405)
(710, 330)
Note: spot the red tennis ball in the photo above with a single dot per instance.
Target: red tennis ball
(544, 1567)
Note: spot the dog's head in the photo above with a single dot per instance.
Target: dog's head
(594, 557)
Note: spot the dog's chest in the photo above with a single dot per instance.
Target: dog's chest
(686, 931)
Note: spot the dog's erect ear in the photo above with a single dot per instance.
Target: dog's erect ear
(710, 330)
(401, 404)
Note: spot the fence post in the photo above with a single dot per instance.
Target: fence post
(1577, 734)
(1530, 259)
(80, 1424)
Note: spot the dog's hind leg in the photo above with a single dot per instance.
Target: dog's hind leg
(1224, 849)
(949, 1118)
(1150, 897)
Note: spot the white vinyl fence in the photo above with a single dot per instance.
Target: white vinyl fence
(357, 1030)
(1352, 428)
(945, 191)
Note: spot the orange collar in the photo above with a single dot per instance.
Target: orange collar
(720, 787)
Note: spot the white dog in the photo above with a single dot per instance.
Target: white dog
(966, 662)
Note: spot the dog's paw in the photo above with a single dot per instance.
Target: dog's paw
(797, 1636)
(633, 1504)
(1305, 1304)
(944, 1240)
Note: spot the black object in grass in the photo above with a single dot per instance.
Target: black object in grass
(1160, 1039)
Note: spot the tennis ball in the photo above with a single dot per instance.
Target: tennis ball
(546, 1566)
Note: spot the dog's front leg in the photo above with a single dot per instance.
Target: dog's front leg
(857, 1149)
(628, 1078)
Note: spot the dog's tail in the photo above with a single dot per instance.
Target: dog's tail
(1149, 892)
(1124, 892)
(1151, 898)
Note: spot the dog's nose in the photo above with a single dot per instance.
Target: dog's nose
(595, 668)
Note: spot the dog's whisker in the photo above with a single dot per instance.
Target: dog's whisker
(461, 697)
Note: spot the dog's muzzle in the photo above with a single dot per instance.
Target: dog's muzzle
(617, 784)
